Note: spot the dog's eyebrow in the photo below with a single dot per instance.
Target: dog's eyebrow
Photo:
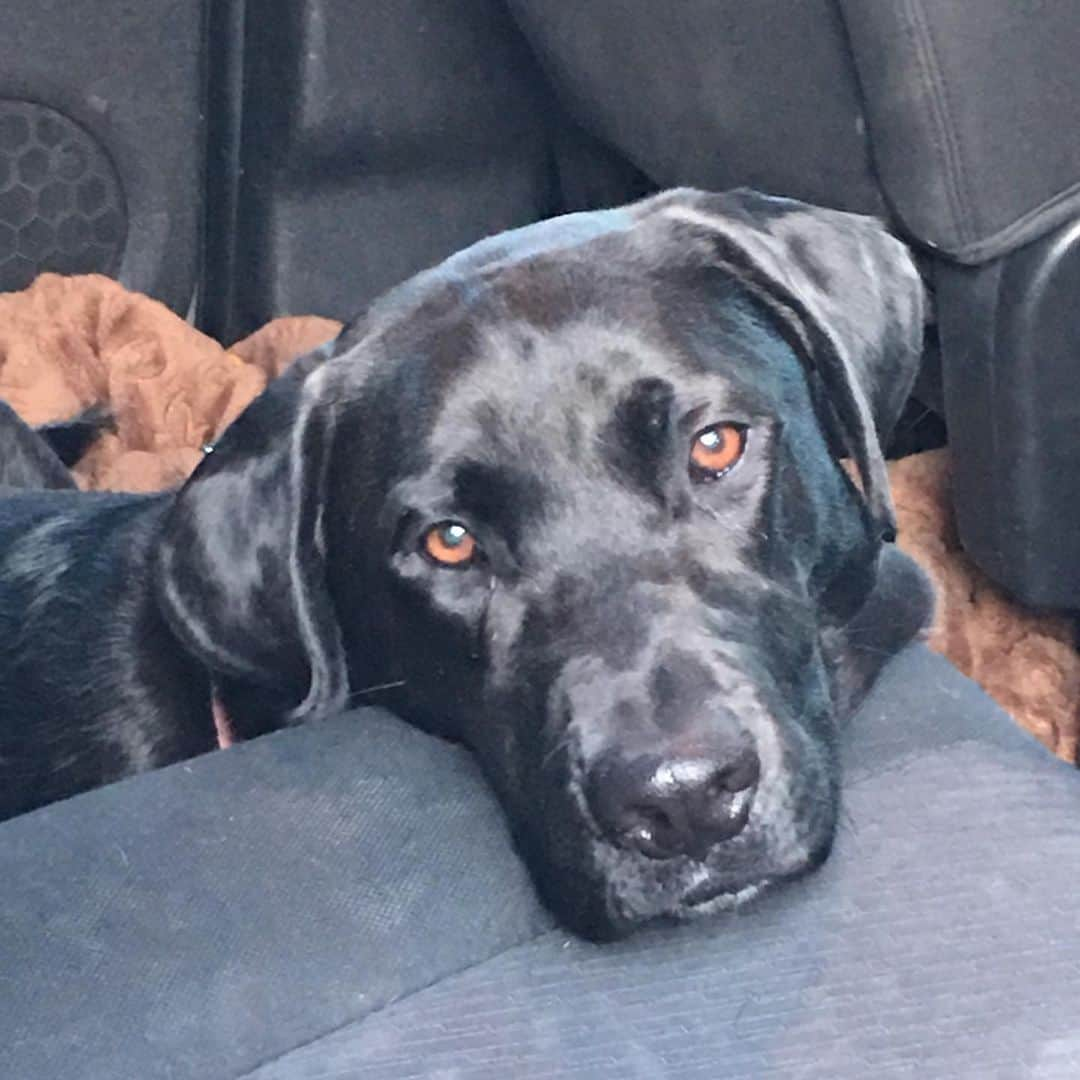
(502, 497)
(694, 415)
(638, 445)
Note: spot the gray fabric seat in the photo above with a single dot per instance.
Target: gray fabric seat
(342, 901)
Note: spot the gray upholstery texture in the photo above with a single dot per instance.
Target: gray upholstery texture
(972, 115)
(342, 901)
(196, 921)
(958, 118)
(714, 93)
(940, 940)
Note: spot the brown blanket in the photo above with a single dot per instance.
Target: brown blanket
(67, 343)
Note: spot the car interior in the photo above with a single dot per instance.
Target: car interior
(195, 192)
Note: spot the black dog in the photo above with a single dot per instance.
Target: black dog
(573, 498)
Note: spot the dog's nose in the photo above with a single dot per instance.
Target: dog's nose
(668, 806)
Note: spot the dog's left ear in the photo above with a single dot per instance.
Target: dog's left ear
(239, 571)
(899, 609)
(847, 293)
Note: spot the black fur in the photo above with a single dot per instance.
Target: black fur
(542, 388)
(70, 439)
(26, 459)
(39, 458)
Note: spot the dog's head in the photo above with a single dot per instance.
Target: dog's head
(574, 498)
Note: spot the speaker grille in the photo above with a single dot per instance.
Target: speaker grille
(61, 202)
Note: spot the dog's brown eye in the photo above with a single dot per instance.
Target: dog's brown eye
(450, 543)
(716, 449)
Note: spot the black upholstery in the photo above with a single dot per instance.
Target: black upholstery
(381, 143)
(972, 112)
(714, 93)
(1011, 338)
(332, 150)
(371, 146)
(102, 131)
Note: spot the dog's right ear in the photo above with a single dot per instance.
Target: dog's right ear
(239, 570)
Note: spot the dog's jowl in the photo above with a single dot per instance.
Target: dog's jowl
(575, 498)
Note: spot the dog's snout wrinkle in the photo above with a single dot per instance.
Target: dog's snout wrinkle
(680, 687)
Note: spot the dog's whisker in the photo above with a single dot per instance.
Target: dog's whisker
(870, 650)
(396, 684)
(563, 743)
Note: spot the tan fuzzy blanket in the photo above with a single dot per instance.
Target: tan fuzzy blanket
(68, 343)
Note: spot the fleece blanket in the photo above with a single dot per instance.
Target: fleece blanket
(70, 342)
